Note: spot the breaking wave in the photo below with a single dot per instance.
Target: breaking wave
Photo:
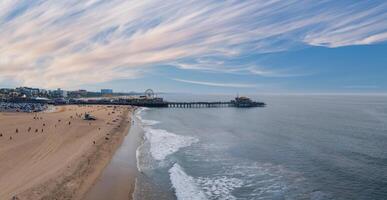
(139, 112)
(184, 185)
(219, 187)
(164, 143)
(147, 122)
(187, 187)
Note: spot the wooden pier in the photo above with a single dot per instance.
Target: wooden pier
(199, 104)
(165, 104)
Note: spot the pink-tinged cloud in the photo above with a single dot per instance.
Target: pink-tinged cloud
(68, 43)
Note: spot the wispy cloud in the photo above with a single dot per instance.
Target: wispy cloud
(239, 69)
(217, 84)
(67, 43)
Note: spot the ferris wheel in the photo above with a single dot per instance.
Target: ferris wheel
(149, 93)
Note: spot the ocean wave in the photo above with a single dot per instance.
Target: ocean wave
(270, 181)
(138, 153)
(184, 185)
(148, 122)
(219, 187)
(140, 111)
(164, 143)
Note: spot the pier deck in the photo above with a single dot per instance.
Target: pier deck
(199, 104)
(174, 104)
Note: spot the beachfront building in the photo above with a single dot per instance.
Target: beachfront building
(77, 93)
(27, 91)
(59, 93)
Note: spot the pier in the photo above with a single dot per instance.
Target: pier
(170, 104)
(146, 100)
(199, 104)
(165, 104)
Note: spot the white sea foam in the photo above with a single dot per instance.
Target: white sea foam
(269, 181)
(148, 122)
(164, 143)
(219, 187)
(185, 186)
(145, 122)
(138, 152)
(135, 190)
(140, 111)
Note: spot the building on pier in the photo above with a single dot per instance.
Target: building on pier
(245, 102)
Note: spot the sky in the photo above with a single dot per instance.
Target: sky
(194, 46)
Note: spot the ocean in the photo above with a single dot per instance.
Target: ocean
(297, 147)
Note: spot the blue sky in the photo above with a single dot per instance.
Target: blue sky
(232, 46)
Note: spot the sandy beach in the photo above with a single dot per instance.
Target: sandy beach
(116, 181)
(58, 155)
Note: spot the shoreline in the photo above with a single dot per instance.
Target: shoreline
(63, 161)
(118, 179)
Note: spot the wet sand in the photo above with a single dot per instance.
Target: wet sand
(117, 180)
(58, 155)
(121, 179)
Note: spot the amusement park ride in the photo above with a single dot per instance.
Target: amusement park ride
(148, 94)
